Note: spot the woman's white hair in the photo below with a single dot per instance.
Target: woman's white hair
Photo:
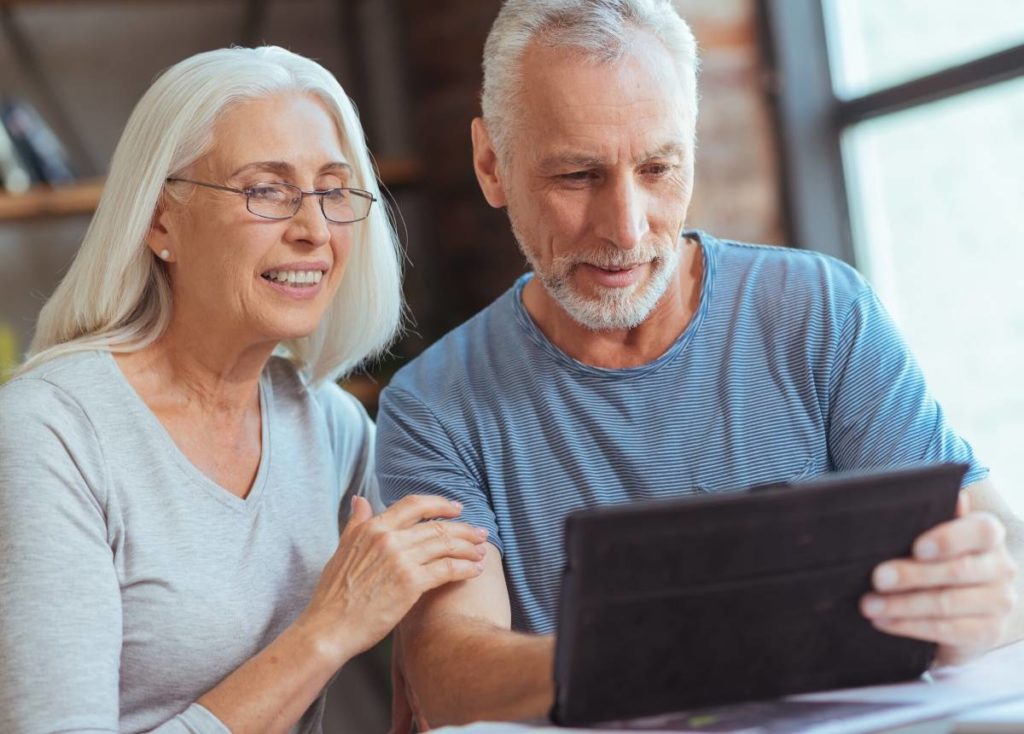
(601, 29)
(117, 295)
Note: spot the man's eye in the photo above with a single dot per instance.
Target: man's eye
(577, 176)
(657, 169)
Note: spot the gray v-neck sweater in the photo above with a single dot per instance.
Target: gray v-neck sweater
(130, 583)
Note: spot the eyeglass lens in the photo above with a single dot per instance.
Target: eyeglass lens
(280, 201)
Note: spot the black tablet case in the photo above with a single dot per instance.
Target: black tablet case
(714, 599)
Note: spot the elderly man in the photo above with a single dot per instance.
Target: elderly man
(640, 360)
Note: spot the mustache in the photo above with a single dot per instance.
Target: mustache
(607, 259)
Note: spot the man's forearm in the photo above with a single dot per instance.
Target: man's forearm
(479, 672)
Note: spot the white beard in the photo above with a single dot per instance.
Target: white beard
(610, 308)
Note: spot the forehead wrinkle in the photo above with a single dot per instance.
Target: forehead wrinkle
(272, 166)
(573, 159)
(577, 132)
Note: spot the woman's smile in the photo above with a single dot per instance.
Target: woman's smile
(300, 280)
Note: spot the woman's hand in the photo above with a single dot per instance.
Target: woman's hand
(383, 565)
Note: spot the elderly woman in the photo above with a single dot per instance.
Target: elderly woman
(176, 458)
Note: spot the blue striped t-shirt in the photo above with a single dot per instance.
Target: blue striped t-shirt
(789, 368)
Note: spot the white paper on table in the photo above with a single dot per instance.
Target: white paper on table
(1006, 719)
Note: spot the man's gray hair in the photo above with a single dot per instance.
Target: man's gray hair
(600, 29)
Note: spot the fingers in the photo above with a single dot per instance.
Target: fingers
(965, 633)
(972, 601)
(433, 540)
(414, 508)
(957, 590)
(425, 531)
(441, 547)
(976, 532)
(361, 511)
(448, 570)
(907, 575)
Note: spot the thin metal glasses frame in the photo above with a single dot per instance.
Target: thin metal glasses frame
(247, 193)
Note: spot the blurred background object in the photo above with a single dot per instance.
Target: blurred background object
(889, 133)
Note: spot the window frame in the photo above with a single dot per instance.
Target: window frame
(811, 118)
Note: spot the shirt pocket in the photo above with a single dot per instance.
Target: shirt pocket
(724, 475)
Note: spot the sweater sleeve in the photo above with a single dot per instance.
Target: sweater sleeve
(352, 437)
(60, 630)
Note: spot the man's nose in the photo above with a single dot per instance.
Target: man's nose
(623, 215)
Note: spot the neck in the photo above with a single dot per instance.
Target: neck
(622, 348)
(198, 370)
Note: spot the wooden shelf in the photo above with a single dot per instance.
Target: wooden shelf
(42, 202)
(30, 3)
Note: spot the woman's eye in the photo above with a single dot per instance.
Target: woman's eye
(268, 192)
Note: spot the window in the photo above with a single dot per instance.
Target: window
(903, 130)
(874, 44)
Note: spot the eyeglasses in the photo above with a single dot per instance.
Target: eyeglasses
(283, 201)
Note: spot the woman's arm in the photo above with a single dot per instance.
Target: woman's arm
(60, 629)
(381, 568)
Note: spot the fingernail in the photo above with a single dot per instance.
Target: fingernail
(886, 577)
(481, 551)
(481, 532)
(457, 504)
(352, 503)
(479, 567)
(874, 606)
(926, 550)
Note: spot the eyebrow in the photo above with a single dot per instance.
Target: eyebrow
(666, 151)
(569, 160)
(578, 160)
(285, 169)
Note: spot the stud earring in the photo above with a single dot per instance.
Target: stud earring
(165, 254)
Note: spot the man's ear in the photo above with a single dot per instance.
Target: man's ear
(485, 163)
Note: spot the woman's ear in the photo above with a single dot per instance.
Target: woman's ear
(158, 238)
(485, 163)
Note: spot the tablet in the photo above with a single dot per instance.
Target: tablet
(735, 596)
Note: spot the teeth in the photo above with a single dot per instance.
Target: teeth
(294, 277)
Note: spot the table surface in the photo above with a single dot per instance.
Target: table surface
(971, 699)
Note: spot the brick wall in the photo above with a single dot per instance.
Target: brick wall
(737, 191)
